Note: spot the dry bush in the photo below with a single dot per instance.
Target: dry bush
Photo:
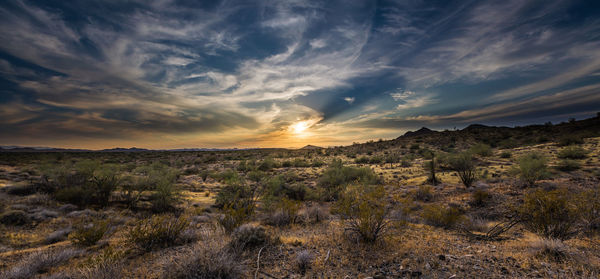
(550, 214)
(304, 261)
(158, 231)
(282, 212)
(550, 248)
(39, 262)
(480, 198)
(314, 214)
(248, 237)
(207, 260)
(364, 211)
(424, 193)
(445, 217)
(89, 234)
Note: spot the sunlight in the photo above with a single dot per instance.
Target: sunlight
(300, 127)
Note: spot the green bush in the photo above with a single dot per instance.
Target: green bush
(572, 152)
(88, 234)
(550, 214)
(364, 211)
(532, 167)
(278, 187)
(267, 164)
(481, 149)
(232, 194)
(464, 167)
(337, 176)
(157, 232)
(445, 217)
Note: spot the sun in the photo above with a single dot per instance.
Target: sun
(299, 127)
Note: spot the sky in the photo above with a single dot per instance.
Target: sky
(181, 74)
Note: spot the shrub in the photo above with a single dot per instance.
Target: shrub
(568, 165)
(424, 193)
(165, 196)
(464, 167)
(248, 237)
(481, 149)
(439, 216)
(304, 261)
(104, 184)
(230, 195)
(204, 261)
(337, 176)
(588, 205)
(364, 212)
(39, 262)
(157, 232)
(267, 164)
(315, 214)
(89, 234)
(235, 215)
(281, 212)
(572, 152)
(362, 160)
(479, 198)
(553, 249)
(549, 214)
(237, 202)
(277, 187)
(532, 167)
(14, 218)
(570, 139)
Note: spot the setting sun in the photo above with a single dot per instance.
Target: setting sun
(299, 127)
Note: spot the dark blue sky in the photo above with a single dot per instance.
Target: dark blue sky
(166, 74)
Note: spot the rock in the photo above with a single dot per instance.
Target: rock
(427, 266)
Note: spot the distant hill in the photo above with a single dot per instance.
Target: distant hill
(311, 147)
(421, 132)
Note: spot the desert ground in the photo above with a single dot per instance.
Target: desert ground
(425, 205)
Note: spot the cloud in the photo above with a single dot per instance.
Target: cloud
(409, 99)
(232, 73)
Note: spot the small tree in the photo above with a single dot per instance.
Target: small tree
(364, 211)
(464, 167)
